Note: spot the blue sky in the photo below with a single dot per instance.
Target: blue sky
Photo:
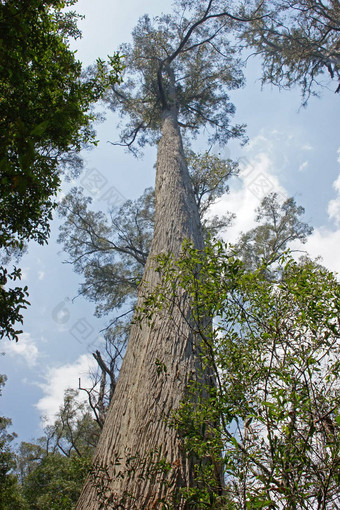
(292, 150)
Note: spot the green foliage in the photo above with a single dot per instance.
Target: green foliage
(279, 225)
(45, 111)
(109, 251)
(45, 117)
(271, 422)
(183, 61)
(29, 456)
(298, 41)
(49, 473)
(56, 482)
(12, 301)
(74, 431)
(210, 176)
(53, 469)
(10, 496)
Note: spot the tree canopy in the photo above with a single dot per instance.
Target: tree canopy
(279, 226)
(298, 41)
(184, 60)
(45, 118)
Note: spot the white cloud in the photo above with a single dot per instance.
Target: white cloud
(303, 166)
(58, 379)
(325, 243)
(334, 205)
(257, 181)
(333, 208)
(25, 347)
(260, 140)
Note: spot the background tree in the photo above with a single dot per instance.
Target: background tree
(51, 470)
(279, 226)
(10, 496)
(55, 483)
(275, 351)
(298, 41)
(74, 430)
(45, 119)
(29, 456)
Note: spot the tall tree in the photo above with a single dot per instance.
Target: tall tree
(45, 119)
(110, 250)
(180, 70)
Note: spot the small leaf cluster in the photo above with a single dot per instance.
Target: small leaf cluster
(12, 302)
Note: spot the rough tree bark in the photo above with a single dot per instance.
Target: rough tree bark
(176, 74)
(135, 424)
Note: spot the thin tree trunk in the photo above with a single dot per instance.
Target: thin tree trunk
(144, 397)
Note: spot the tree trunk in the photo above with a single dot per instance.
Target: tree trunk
(135, 425)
